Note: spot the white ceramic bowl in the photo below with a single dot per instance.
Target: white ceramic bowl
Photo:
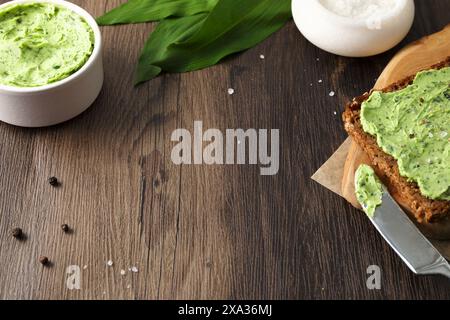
(59, 101)
(352, 37)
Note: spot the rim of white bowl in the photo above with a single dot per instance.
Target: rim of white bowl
(95, 52)
(358, 22)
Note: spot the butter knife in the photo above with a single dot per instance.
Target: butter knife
(407, 241)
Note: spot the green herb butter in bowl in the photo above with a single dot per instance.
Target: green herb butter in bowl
(50, 62)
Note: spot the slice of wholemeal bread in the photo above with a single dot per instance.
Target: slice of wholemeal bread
(407, 193)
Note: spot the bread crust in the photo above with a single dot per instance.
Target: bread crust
(425, 210)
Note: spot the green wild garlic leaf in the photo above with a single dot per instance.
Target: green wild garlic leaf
(136, 11)
(192, 43)
(167, 31)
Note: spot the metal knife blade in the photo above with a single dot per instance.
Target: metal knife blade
(406, 239)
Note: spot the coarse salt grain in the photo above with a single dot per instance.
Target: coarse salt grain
(360, 8)
(332, 93)
(122, 272)
(261, 56)
(85, 267)
(109, 263)
(320, 81)
(230, 91)
(134, 269)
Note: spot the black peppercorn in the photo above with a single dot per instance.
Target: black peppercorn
(65, 228)
(53, 181)
(17, 233)
(43, 260)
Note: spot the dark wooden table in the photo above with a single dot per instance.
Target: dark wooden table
(199, 231)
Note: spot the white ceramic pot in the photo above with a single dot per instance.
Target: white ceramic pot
(60, 101)
(352, 37)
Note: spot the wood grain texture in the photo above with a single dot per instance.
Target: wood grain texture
(198, 231)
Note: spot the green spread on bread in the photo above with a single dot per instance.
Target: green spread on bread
(413, 126)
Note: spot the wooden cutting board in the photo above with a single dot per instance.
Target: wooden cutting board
(415, 57)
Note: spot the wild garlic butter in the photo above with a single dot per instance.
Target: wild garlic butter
(413, 126)
(41, 43)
